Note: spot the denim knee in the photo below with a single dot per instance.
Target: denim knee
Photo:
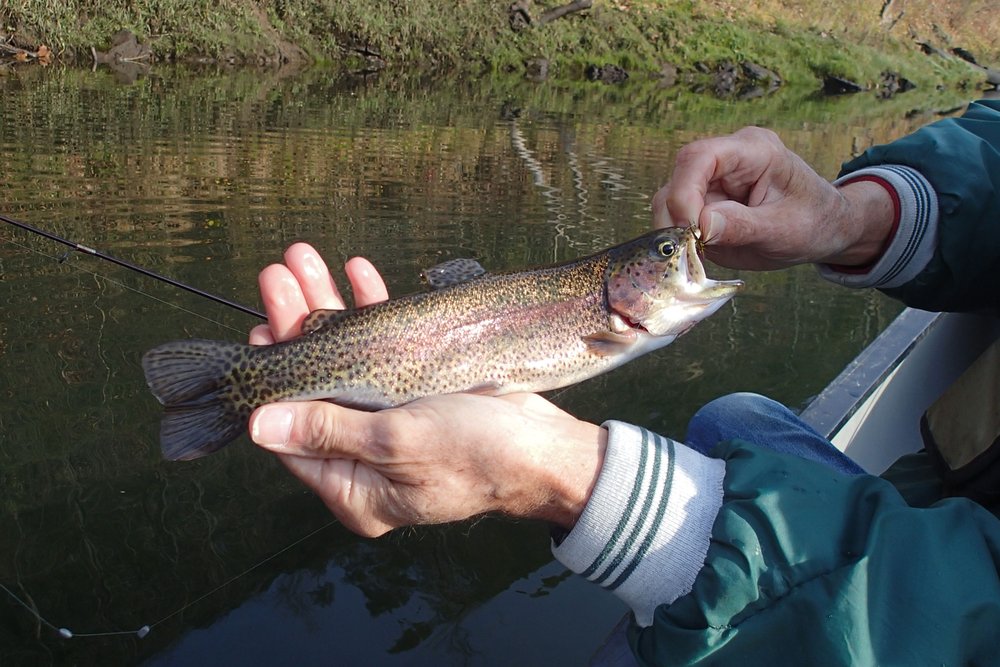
(730, 415)
(764, 422)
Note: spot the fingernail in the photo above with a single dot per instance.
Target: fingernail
(716, 227)
(272, 427)
(363, 269)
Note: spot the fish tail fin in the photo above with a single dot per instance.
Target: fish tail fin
(193, 379)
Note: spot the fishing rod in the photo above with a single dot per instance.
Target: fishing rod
(79, 247)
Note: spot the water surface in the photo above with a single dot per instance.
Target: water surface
(206, 177)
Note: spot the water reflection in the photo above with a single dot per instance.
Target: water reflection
(207, 178)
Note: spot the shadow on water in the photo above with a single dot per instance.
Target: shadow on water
(206, 178)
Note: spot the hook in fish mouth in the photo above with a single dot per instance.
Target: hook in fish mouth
(701, 240)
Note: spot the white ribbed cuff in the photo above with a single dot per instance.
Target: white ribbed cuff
(645, 531)
(916, 235)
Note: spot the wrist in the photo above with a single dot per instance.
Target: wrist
(866, 223)
(558, 474)
(908, 240)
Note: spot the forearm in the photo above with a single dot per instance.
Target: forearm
(866, 220)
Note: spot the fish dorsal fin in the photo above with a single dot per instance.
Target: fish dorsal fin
(452, 272)
(320, 318)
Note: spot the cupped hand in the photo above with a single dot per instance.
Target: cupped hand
(302, 284)
(437, 459)
(760, 206)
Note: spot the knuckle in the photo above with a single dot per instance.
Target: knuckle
(769, 138)
(660, 197)
(689, 152)
(391, 430)
(757, 132)
(370, 528)
(321, 428)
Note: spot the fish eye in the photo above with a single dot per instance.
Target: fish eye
(666, 248)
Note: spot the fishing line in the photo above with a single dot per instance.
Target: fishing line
(64, 260)
(79, 247)
(144, 630)
(141, 633)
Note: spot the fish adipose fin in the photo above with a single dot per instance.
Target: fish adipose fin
(452, 272)
(191, 378)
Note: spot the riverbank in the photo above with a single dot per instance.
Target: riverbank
(698, 42)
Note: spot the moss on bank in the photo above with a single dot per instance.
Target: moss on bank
(845, 38)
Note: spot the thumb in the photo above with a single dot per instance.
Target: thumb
(313, 429)
(730, 224)
(713, 226)
(320, 444)
(351, 491)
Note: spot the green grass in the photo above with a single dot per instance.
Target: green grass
(474, 35)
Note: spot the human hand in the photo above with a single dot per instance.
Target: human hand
(438, 459)
(303, 284)
(760, 206)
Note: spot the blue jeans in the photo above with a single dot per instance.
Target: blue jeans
(759, 420)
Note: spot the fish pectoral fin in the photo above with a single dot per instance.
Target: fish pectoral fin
(607, 343)
(320, 318)
(484, 389)
(452, 272)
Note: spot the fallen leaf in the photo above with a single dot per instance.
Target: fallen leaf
(21, 56)
(43, 51)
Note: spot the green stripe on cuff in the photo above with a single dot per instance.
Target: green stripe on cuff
(620, 528)
(660, 511)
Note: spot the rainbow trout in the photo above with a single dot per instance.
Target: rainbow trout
(494, 334)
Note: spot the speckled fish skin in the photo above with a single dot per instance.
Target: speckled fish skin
(500, 333)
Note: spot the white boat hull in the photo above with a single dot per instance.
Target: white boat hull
(872, 410)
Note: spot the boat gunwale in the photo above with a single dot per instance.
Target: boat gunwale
(841, 399)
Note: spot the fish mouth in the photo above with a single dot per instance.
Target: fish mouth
(711, 291)
(680, 314)
(624, 325)
(700, 290)
(694, 298)
(662, 290)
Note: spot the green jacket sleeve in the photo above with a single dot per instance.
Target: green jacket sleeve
(809, 567)
(960, 157)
